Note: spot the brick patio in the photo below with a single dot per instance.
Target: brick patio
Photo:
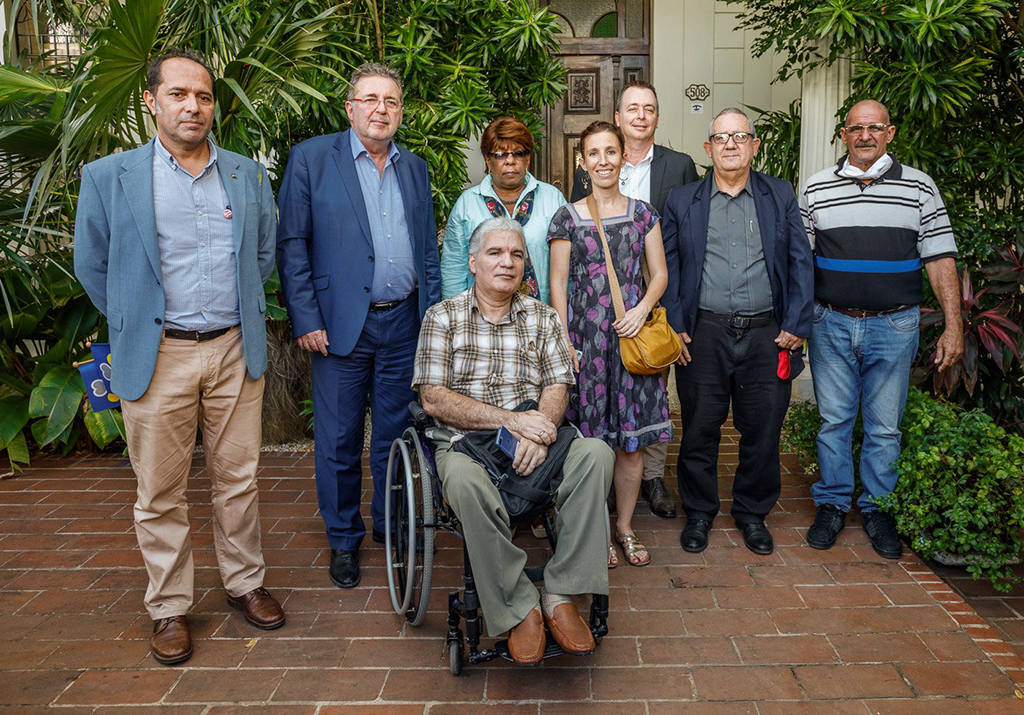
(799, 631)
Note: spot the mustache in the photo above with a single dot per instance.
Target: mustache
(864, 145)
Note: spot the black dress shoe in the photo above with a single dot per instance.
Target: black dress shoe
(828, 522)
(882, 530)
(345, 568)
(757, 537)
(654, 491)
(377, 536)
(694, 537)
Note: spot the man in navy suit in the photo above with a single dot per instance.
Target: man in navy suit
(740, 294)
(357, 255)
(173, 242)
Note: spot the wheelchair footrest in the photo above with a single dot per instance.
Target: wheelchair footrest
(551, 649)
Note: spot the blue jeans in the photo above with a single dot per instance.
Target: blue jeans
(860, 363)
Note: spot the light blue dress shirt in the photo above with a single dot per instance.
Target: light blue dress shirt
(394, 265)
(197, 250)
(471, 210)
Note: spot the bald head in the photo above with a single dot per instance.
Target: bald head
(869, 105)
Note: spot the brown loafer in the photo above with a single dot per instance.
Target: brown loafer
(570, 630)
(526, 641)
(259, 608)
(171, 641)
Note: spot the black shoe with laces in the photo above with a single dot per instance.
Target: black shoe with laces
(882, 530)
(828, 522)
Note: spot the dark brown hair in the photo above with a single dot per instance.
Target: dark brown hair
(154, 76)
(505, 130)
(597, 128)
(640, 84)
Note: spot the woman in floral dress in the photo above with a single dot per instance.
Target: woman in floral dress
(627, 411)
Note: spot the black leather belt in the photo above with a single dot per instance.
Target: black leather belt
(737, 321)
(194, 335)
(384, 306)
(858, 313)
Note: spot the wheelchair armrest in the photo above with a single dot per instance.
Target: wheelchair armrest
(419, 415)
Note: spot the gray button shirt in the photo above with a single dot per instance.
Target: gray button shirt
(394, 266)
(197, 250)
(735, 277)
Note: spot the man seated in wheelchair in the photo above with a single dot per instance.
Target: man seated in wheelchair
(481, 355)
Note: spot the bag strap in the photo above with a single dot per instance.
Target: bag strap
(613, 279)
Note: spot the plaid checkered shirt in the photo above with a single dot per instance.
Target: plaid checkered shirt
(500, 364)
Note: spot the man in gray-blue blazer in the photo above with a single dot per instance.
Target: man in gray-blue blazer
(173, 243)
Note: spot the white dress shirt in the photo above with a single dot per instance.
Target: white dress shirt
(635, 180)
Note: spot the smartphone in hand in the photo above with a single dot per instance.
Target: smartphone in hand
(507, 443)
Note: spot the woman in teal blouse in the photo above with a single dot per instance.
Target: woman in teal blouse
(508, 190)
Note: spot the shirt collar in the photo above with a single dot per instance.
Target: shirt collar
(486, 187)
(515, 308)
(160, 150)
(359, 150)
(716, 190)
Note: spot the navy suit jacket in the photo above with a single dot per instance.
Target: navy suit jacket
(117, 258)
(787, 251)
(324, 248)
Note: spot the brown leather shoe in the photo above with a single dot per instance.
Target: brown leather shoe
(260, 608)
(526, 641)
(570, 630)
(171, 641)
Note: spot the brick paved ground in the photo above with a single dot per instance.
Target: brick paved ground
(800, 631)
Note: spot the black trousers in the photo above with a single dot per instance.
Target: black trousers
(738, 366)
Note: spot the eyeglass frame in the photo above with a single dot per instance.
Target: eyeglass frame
(501, 155)
(859, 128)
(373, 103)
(731, 135)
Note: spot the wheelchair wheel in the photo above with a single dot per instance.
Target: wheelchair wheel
(455, 657)
(409, 532)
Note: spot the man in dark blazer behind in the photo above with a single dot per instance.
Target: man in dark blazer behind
(651, 171)
(740, 294)
(357, 255)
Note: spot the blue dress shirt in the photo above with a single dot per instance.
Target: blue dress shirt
(197, 250)
(394, 266)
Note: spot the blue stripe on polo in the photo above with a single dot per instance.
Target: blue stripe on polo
(845, 265)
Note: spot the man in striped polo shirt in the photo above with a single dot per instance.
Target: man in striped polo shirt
(872, 223)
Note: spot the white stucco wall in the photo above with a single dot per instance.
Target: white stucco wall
(696, 42)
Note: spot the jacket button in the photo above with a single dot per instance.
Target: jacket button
(366, 289)
(158, 321)
(370, 259)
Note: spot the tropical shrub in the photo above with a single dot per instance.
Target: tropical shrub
(952, 75)
(283, 68)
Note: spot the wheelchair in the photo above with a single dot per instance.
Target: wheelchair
(414, 511)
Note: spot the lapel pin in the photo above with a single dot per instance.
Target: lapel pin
(234, 176)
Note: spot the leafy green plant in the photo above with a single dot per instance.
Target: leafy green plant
(779, 132)
(961, 488)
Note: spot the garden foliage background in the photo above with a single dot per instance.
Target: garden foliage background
(283, 68)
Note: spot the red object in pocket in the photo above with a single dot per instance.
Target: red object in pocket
(783, 371)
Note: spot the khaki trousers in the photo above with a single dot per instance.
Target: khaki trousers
(580, 563)
(196, 385)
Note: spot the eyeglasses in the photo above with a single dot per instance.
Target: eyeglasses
(873, 128)
(371, 103)
(500, 155)
(724, 137)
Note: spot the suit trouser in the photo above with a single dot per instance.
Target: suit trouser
(196, 385)
(579, 564)
(738, 366)
(380, 365)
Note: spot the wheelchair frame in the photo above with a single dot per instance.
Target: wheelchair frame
(413, 512)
